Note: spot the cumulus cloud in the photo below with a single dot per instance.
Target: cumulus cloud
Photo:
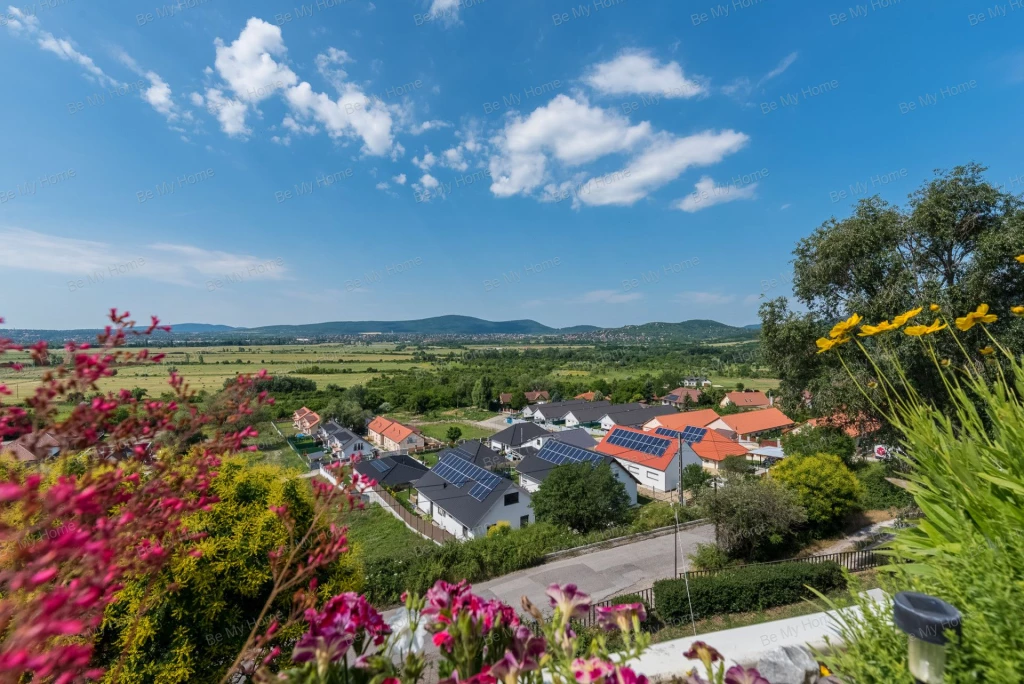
(444, 10)
(569, 131)
(638, 73)
(707, 194)
(400, 179)
(22, 23)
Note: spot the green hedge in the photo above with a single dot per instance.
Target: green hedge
(755, 587)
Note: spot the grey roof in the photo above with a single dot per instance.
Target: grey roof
(640, 416)
(537, 469)
(342, 434)
(457, 502)
(577, 437)
(559, 410)
(477, 453)
(593, 414)
(402, 470)
(519, 433)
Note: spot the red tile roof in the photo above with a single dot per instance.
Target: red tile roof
(713, 447)
(748, 399)
(586, 396)
(537, 396)
(678, 421)
(682, 392)
(854, 427)
(391, 429)
(300, 413)
(505, 397)
(757, 421)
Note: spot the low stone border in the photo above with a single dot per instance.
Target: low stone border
(620, 541)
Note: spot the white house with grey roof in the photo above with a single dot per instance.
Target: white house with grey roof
(342, 443)
(467, 500)
(535, 468)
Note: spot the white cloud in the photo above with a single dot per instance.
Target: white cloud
(19, 22)
(382, 186)
(247, 65)
(158, 94)
(742, 87)
(230, 112)
(400, 179)
(428, 160)
(569, 130)
(609, 297)
(707, 194)
(196, 99)
(168, 263)
(428, 181)
(785, 206)
(420, 128)
(446, 10)
(637, 72)
(786, 62)
(705, 298)
(352, 114)
(662, 162)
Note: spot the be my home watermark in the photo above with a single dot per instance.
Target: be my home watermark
(168, 11)
(515, 99)
(98, 99)
(929, 99)
(166, 188)
(29, 188)
(584, 11)
(373, 276)
(30, 10)
(251, 272)
(652, 276)
(793, 99)
(583, 189)
(324, 180)
(859, 188)
(513, 276)
(443, 189)
(113, 271)
(307, 10)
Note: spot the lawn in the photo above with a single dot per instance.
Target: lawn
(440, 430)
(748, 383)
(378, 534)
(274, 449)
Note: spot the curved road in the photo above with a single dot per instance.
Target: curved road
(602, 574)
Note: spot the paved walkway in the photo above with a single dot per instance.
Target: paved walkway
(602, 574)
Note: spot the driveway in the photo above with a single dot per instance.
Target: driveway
(602, 574)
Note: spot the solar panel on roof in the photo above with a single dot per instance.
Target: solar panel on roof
(691, 435)
(459, 471)
(639, 441)
(381, 467)
(560, 453)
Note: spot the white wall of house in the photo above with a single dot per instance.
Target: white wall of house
(662, 481)
(607, 423)
(356, 446)
(529, 485)
(630, 484)
(513, 514)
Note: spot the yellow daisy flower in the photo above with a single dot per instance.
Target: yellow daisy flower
(1017, 310)
(824, 344)
(919, 330)
(872, 384)
(1020, 258)
(987, 351)
(981, 315)
(904, 317)
(869, 330)
(933, 307)
(843, 327)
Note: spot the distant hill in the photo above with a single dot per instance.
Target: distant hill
(200, 328)
(690, 331)
(439, 325)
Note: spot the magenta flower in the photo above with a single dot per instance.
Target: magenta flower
(701, 651)
(345, 619)
(591, 670)
(571, 602)
(522, 656)
(485, 677)
(740, 675)
(624, 675)
(621, 616)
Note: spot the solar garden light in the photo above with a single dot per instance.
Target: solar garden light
(925, 620)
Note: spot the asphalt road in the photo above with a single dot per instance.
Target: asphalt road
(602, 574)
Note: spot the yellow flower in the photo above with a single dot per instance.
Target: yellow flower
(980, 316)
(904, 317)
(1017, 310)
(933, 307)
(1021, 258)
(945, 363)
(825, 672)
(824, 344)
(872, 384)
(919, 330)
(987, 351)
(869, 330)
(844, 327)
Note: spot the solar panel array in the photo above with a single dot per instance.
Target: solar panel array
(639, 441)
(459, 471)
(381, 467)
(560, 453)
(690, 434)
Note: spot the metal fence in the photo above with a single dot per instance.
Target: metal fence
(646, 595)
(854, 561)
(426, 529)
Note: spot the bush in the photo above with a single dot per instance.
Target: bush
(819, 440)
(756, 519)
(708, 557)
(754, 587)
(827, 489)
(880, 494)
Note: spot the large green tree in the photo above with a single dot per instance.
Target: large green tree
(755, 519)
(581, 497)
(953, 245)
(819, 440)
(827, 489)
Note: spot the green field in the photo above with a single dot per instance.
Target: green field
(440, 430)
(378, 534)
(208, 367)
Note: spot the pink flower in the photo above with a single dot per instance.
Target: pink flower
(591, 671)
(523, 655)
(485, 677)
(570, 602)
(701, 651)
(345, 619)
(621, 616)
(443, 640)
(740, 675)
(624, 675)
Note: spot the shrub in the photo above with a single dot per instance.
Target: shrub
(708, 557)
(754, 587)
(582, 497)
(880, 494)
(819, 440)
(827, 489)
(756, 519)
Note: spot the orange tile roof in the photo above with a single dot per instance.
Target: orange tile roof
(391, 429)
(379, 424)
(756, 421)
(748, 399)
(713, 447)
(678, 421)
(536, 396)
(852, 427)
(301, 412)
(587, 396)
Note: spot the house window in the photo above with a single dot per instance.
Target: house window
(512, 498)
(651, 475)
(465, 531)
(524, 521)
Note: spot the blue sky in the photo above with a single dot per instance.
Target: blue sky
(275, 162)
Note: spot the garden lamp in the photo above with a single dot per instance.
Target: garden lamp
(925, 620)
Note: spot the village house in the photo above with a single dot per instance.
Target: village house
(747, 399)
(678, 421)
(391, 435)
(341, 442)
(696, 382)
(653, 458)
(467, 500)
(635, 418)
(530, 410)
(535, 468)
(31, 448)
(748, 427)
(681, 397)
(394, 472)
(558, 412)
(537, 397)
(305, 421)
(587, 396)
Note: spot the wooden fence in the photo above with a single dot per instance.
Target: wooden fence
(423, 527)
(854, 561)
